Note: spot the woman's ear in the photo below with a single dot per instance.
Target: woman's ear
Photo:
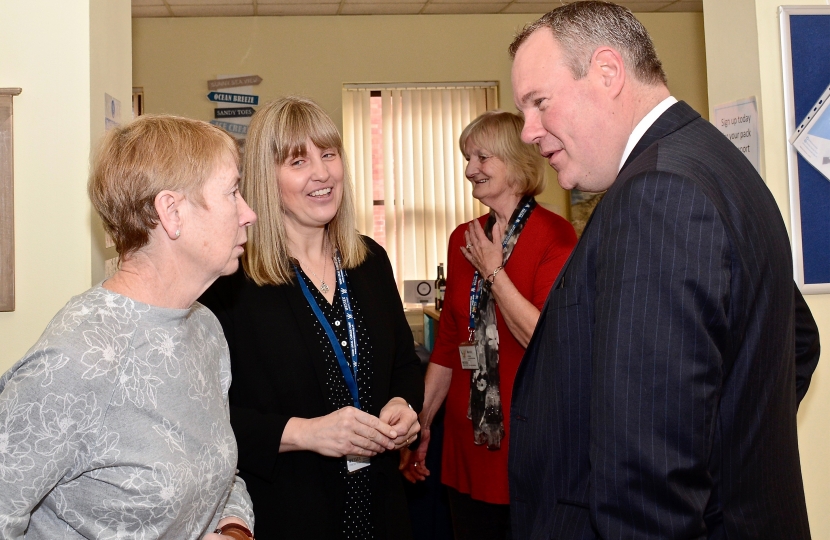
(169, 207)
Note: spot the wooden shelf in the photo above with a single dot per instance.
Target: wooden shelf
(432, 313)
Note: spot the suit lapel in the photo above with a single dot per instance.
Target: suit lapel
(675, 117)
(585, 232)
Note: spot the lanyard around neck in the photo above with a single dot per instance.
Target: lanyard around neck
(349, 371)
(475, 288)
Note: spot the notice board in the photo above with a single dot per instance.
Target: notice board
(805, 39)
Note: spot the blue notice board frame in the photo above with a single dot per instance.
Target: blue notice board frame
(805, 35)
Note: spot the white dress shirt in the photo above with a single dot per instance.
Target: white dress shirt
(641, 128)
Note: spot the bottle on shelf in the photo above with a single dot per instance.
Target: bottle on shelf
(440, 288)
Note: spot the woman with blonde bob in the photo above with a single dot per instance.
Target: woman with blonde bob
(115, 424)
(325, 376)
(500, 268)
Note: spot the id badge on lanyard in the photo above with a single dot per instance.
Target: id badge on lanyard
(353, 462)
(469, 357)
(468, 350)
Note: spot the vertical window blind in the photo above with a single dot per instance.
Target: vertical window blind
(418, 193)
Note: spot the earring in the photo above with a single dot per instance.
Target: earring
(178, 232)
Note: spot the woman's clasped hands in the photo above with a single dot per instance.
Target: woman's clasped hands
(350, 431)
(403, 421)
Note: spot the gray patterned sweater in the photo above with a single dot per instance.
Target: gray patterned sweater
(115, 425)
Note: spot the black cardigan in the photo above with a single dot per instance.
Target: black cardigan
(279, 373)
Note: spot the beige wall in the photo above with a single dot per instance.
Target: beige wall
(736, 72)
(111, 72)
(314, 56)
(45, 48)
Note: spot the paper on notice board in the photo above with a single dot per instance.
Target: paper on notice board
(812, 136)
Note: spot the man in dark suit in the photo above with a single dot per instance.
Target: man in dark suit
(658, 395)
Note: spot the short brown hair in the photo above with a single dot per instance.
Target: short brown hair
(500, 133)
(581, 27)
(135, 162)
(278, 132)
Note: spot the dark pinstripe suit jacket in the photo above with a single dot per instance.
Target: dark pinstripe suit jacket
(658, 395)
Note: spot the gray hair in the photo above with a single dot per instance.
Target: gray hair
(500, 133)
(580, 28)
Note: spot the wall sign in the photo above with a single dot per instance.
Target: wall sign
(233, 112)
(738, 121)
(229, 82)
(233, 129)
(241, 99)
(237, 99)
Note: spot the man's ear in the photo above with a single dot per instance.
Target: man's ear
(608, 67)
(169, 207)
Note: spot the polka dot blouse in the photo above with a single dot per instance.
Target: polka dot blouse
(357, 517)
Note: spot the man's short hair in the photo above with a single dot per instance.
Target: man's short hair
(582, 27)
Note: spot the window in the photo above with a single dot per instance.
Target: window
(402, 145)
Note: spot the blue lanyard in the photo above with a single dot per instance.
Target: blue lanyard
(475, 288)
(349, 372)
(475, 293)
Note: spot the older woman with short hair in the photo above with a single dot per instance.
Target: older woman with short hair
(325, 372)
(115, 424)
(500, 268)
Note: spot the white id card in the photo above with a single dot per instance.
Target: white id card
(355, 463)
(469, 358)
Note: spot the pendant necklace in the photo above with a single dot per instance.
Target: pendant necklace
(323, 287)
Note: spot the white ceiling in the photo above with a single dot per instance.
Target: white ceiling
(245, 8)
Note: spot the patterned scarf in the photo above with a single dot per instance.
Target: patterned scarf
(485, 397)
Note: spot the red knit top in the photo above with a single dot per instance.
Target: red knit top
(542, 249)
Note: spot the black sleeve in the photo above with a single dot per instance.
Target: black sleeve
(258, 433)
(807, 347)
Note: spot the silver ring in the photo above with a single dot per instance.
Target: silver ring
(469, 247)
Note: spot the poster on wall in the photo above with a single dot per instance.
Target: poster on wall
(112, 112)
(234, 101)
(738, 121)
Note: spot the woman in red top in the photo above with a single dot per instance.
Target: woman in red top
(502, 264)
